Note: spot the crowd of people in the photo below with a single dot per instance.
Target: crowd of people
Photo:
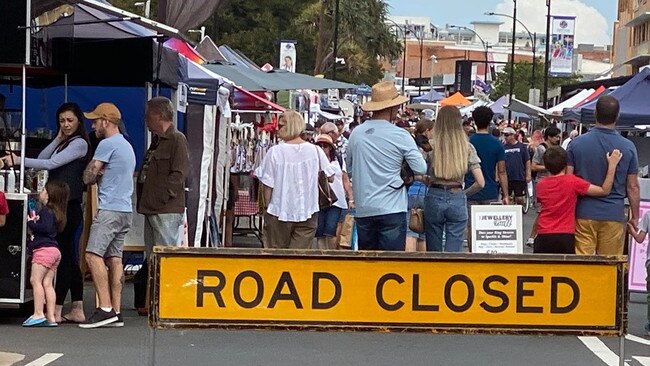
(581, 180)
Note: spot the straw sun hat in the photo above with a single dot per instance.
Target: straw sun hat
(384, 95)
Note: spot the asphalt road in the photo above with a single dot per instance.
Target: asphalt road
(137, 344)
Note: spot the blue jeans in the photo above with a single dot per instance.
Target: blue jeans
(445, 210)
(383, 232)
(328, 220)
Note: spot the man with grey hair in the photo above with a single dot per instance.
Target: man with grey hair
(161, 183)
(573, 134)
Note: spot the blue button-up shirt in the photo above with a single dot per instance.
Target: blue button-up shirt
(376, 151)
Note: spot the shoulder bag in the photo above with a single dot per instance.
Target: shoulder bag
(326, 196)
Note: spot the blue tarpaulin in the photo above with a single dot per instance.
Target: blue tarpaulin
(633, 98)
(431, 96)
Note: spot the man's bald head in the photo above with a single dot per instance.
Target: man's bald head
(607, 109)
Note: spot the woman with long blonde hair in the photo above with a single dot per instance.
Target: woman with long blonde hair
(445, 206)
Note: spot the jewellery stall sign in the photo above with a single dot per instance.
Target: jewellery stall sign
(497, 229)
(443, 292)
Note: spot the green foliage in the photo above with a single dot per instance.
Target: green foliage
(523, 80)
(256, 28)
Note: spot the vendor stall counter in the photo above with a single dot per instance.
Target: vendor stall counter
(14, 267)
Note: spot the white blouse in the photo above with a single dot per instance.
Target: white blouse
(292, 171)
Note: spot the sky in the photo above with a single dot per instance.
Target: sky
(593, 23)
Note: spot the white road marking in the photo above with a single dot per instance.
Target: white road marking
(8, 359)
(45, 359)
(637, 339)
(599, 348)
(645, 361)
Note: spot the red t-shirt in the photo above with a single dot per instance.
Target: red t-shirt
(4, 207)
(558, 196)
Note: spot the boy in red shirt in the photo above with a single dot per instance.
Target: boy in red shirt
(558, 195)
(4, 209)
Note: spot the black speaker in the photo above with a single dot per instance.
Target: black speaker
(13, 14)
(464, 77)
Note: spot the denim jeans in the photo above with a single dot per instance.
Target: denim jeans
(383, 232)
(446, 211)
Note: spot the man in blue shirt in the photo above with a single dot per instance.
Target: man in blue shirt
(600, 221)
(517, 165)
(376, 151)
(111, 169)
(492, 155)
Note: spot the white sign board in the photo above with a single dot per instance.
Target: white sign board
(497, 229)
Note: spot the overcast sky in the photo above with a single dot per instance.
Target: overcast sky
(593, 23)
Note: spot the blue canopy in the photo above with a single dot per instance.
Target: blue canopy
(633, 98)
(431, 96)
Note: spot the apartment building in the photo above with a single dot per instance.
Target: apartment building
(631, 37)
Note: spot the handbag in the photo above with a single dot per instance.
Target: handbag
(326, 197)
(416, 220)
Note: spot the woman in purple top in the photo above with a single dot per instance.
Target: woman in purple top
(65, 159)
(43, 228)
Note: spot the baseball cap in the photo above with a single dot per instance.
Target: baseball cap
(106, 111)
(428, 114)
(509, 130)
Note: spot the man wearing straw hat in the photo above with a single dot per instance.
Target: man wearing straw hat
(376, 151)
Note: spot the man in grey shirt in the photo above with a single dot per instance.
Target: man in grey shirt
(375, 154)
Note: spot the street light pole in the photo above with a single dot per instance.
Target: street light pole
(421, 39)
(533, 38)
(546, 56)
(512, 56)
(403, 51)
(336, 37)
(485, 45)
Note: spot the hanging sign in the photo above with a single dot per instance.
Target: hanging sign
(288, 56)
(561, 47)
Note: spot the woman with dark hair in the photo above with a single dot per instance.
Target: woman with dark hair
(416, 242)
(65, 159)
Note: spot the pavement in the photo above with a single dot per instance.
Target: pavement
(137, 344)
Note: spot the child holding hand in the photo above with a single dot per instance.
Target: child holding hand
(45, 252)
(639, 233)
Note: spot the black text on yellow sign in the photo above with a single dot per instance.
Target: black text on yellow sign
(389, 292)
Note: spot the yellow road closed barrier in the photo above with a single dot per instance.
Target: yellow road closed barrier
(472, 293)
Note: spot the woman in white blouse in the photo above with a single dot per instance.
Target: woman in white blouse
(289, 173)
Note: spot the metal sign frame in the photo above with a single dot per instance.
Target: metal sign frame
(160, 253)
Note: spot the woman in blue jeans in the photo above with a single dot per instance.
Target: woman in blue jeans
(452, 156)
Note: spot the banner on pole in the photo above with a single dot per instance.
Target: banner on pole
(561, 47)
(288, 55)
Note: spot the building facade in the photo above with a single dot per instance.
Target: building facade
(632, 37)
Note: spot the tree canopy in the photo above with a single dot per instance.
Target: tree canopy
(257, 27)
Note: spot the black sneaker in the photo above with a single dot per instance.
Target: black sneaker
(99, 318)
(117, 324)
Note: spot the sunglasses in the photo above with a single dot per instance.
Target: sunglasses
(507, 134)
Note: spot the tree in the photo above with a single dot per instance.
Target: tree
(256, 28)
(523, 82)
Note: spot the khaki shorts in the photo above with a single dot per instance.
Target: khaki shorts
(107, 233)
(599, 237)
(289, 235)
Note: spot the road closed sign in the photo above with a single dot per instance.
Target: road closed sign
(445, 292)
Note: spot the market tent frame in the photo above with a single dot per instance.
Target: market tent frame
(633, 99)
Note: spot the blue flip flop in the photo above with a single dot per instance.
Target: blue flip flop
(47, 324)
(31, 322)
